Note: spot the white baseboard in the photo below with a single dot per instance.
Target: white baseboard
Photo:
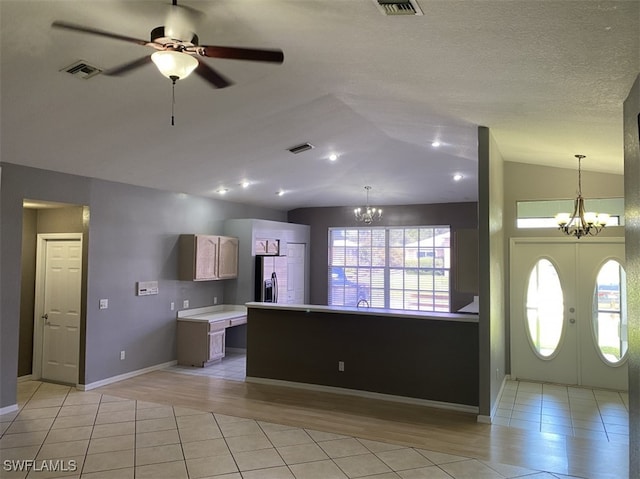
(8, 409)
(365, 394)
(27, 377)
(121, 377)
(489, 419)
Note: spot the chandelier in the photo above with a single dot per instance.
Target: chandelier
(368, 214)
(579, 223)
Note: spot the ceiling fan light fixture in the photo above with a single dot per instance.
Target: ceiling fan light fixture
(174, 65)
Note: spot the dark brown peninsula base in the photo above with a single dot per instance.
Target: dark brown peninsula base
(431, 357)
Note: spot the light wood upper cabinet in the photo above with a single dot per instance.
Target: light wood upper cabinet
(227, 257)
(267, 246)
(207, 257)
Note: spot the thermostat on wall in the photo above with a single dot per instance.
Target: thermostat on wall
(146, 288)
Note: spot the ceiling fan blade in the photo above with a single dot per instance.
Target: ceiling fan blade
(234, 53)
(94, 31)
(212, 76)
(127, 67)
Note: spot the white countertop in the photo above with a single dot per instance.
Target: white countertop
(220, 312)
(398, 313)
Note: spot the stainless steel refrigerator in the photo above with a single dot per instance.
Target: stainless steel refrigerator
(271, 279)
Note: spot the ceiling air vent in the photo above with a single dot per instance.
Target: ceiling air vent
(82, 69)
(399, 7)
(300, 148)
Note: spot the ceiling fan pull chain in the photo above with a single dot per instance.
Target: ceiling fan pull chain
(173, 99)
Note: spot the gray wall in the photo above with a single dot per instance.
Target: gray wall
(132, 237)
(27, 291)
(632, 250)
(492, 327)
(457, 215)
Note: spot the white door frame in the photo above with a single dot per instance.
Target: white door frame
(38, 324)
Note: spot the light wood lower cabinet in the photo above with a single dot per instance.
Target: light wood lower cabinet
(216, 345)
(200, 342)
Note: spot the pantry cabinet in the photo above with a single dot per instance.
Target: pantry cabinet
(207, 257)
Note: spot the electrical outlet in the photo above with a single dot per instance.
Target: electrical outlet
(121, 355)
(341, 366)
(173, 306)
(215, 300)
(104, 303)
(185, 303)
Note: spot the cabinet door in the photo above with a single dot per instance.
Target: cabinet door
(206, 257)
(228, 258)
(273, 246)
(216, 345)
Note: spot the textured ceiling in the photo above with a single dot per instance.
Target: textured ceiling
(548, 77)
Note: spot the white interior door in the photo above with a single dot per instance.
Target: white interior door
(295, 272)
(61, 276)
(556, 332)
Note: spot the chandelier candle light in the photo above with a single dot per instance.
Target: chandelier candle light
(368, 214)
(579, 223)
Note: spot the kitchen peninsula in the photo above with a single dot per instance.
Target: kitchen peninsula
(430, 358)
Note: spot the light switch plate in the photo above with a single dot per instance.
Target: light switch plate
(104, 303)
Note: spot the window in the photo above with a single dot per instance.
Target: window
(542, 213)
(610, 312)
(397, 268)
(545, 308)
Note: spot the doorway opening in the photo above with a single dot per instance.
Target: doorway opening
(53, 297)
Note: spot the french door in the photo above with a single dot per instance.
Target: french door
(568, 312)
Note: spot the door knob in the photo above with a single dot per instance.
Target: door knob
(46, 318)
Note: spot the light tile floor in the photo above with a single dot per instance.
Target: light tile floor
(570, 411)
(231, 367)
(90, 435)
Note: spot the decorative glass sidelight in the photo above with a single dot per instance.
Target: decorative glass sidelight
(610, 312)
(544, 308)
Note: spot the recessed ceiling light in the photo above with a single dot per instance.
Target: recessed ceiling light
(333, 157)
(436, 144)
(280, 193)
(457, 177)
(245, 183)
(223, 191)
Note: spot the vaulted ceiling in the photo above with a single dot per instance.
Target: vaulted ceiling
(547, 77)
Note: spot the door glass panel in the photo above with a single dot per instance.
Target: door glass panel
(610, 312)
(545, 306)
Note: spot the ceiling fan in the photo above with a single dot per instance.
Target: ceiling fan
(176, 58)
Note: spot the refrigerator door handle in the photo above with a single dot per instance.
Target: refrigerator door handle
(274, 276)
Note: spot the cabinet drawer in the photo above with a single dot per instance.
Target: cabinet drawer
(218, 325)
(237, 321)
